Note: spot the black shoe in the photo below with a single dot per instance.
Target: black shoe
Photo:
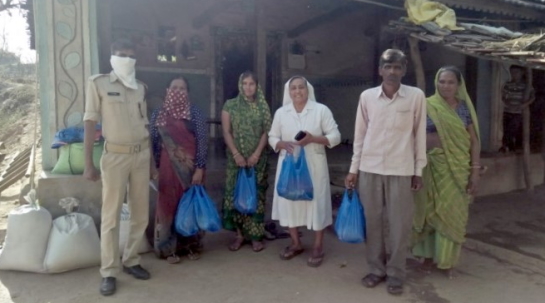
(107, 287)
(137, 271)
(394, 286)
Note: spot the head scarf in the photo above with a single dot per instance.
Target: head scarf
(176, 105)
(259, 97)
(287, 97)
(437, 104)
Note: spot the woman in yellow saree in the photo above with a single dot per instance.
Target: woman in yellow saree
(451, 176)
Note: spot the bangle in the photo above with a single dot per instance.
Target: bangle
(476, 166)
(236, 154)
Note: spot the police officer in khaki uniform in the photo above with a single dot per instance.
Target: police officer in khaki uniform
(117, 100)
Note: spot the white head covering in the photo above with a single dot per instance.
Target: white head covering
(287, 98)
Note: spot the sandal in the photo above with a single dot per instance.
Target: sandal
(237, 244)
(372, 280)
(316, 260)
(173, 259)
(394, 286)
(290, 252)
(257, 246)
(193, 255)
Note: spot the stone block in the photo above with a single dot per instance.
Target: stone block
(505, 174)
(51, 188)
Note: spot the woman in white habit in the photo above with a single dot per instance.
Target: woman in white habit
(301, 112)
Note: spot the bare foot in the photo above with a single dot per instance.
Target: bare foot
(237, 243)
(426, 267)
(257, 246)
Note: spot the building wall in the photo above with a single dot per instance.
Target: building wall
(341, 53)
(341, 49)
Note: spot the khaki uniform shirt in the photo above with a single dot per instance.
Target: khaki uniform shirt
(122, 111)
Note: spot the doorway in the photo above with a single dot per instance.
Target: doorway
(234, 54)
(238, 57)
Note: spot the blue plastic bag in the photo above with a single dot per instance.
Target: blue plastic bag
(206, 213)
(294, 182)
(185, 222)
(350, 223)
(246, 191)
(73, 134)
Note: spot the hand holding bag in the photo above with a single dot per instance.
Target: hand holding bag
(350, 223)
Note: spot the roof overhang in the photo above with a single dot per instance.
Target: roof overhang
(521, 9)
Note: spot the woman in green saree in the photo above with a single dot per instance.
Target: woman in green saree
(246, 121)
(451, 176)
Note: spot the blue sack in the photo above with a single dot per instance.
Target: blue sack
(73, 134)
(350, 223)
(246, 191)
(294, 182)
(206, 213)
(185, 222)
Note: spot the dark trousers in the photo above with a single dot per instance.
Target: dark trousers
(512, 131)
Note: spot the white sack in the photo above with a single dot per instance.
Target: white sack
(73, 244)
(124, 227)
(26, 239)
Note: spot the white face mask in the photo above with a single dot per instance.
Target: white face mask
(124, 69)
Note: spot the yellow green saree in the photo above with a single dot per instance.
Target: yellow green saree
(441, 209)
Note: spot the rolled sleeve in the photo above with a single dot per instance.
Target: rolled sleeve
(92, 102)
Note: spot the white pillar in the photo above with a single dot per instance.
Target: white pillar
(66, 43)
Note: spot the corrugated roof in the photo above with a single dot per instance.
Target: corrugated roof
(527, 9)
(534, 4)
(492, 43)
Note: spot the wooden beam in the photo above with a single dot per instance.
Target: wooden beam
(496, 107)
(208, 15)
(526, 132)
(322, 19)
(418, 64)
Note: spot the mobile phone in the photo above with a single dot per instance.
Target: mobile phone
(300, 135)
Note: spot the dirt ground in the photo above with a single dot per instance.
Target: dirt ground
(245, 276)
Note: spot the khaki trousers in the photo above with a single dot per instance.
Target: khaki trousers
(390, 196)
(123, 174)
